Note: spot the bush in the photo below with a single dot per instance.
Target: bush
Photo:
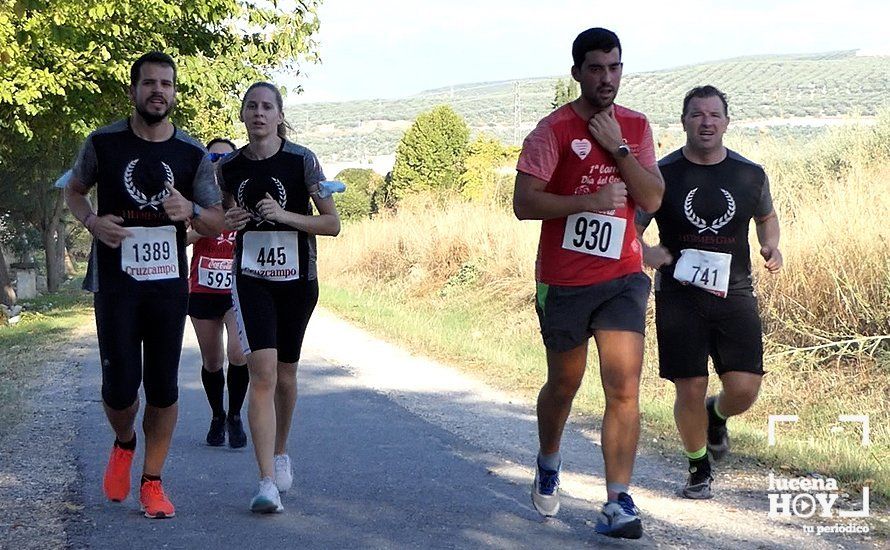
(361, 184)
(489, 171)
(430, 155)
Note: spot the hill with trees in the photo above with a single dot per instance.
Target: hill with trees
(834, 84)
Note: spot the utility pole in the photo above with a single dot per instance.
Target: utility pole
(517, 112)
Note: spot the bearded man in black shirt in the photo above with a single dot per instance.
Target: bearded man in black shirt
(151, 179)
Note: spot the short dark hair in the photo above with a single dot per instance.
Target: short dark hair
(702, 92)
(594, 39)
(151, 57)
(228, 142)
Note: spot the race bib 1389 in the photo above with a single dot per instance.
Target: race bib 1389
(150, 254)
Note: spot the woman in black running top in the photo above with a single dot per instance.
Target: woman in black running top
(269, 188)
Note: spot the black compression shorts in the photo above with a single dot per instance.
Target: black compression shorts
(207, 305)
(273, 314)
(140, 340)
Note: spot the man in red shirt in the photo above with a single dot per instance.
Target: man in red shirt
(582, 171)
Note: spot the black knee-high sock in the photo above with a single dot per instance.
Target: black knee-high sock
(214, 386)
(239, 377)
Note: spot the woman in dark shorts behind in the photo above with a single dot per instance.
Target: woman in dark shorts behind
(210, 308)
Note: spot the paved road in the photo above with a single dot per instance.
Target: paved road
(368, 474)
(394, 451)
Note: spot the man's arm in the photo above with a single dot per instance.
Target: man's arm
(645, 185)
(106, 228)
(211, 222)
(768, 236)
(653, 256)
(531, 202)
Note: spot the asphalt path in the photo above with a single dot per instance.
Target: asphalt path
(368, 473)
(392, 450)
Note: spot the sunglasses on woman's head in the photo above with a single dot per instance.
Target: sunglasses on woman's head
(216, 156)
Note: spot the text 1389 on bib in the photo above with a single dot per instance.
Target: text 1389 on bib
(150, 253)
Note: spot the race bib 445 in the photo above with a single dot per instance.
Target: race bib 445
(270, 255)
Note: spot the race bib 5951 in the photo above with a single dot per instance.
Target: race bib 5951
(215, 272)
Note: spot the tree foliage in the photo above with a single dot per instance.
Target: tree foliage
(489, 170)
(65, 70)
(431, 154)
(361, 184)
(70, 59)
(564, 92)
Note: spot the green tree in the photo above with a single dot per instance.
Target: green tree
(361, 184)
(488, 169)
(64, 70)
(431, 154)
(564, 92)
(71, 58)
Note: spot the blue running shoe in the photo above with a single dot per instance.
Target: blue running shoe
(545, 491)
(620, 519)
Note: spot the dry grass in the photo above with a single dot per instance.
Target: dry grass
(826, 315)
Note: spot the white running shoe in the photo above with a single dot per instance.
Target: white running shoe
(284, 476)
(545, 491)
(267, 499)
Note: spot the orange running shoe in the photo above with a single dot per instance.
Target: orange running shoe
(117, 474)
(154, 502)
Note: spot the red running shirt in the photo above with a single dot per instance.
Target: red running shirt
(596, 246)
(211, 269)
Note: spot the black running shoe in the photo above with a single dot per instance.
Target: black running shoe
(237, 437)
(216, 435)
(698, 486)
(718, 435)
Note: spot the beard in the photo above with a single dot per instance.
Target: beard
(153, 118)
(598, 102)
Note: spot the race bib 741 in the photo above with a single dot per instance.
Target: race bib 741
(704, 269)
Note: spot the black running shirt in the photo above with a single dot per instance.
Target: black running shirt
(130, 174)
(709, 207)
(287, 176)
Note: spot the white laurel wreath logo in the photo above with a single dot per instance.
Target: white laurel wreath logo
(701, 224)
(143, 201)
(254, 215)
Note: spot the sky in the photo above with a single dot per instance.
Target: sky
(398, 48)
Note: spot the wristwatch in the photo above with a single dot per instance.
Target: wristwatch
(196, 211)
(622, 151)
